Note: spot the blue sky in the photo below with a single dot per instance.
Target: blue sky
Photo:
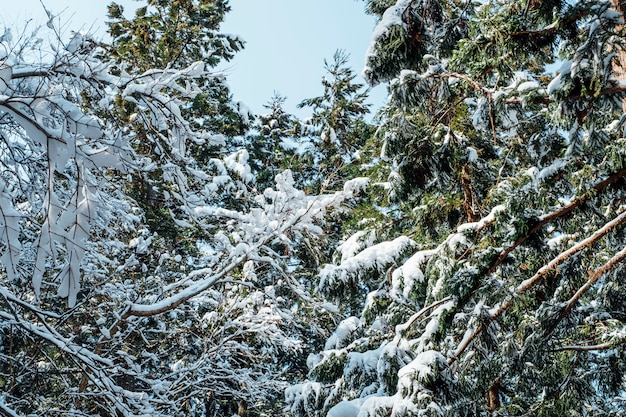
(286, 41)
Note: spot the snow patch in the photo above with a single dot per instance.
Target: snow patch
(346, 409)
(424, 367)
(343, 333)
(375, 257)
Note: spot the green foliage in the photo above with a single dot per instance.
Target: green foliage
(171, 33)
(337, 124)
(176, 34)
(507, 173)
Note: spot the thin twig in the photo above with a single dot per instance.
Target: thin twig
(581, 348)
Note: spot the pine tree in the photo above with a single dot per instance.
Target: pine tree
(337, 123)
(275, 143)
(176, 34)
(496, 294)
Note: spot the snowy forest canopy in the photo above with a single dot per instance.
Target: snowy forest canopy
(164, 252)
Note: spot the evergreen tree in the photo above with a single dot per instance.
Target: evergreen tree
(276, 143)
(496, 292)
(337, 124)
(176, 34)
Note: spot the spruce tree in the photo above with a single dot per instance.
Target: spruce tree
(275, 142)
(496, 294)
(337, 124)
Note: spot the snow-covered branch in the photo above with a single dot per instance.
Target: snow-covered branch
(541, 274)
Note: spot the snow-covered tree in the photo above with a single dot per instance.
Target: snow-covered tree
(99, 313)
(275, 142)
(497, 290)
(174, 35)
(337, 125)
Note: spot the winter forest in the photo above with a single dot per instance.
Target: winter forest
(166, 253)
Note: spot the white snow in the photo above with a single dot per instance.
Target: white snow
(346, 409)
(482, 222)
(356, 185)
(528, 85)
(374, 257)
(559, 240)
(557, 82)
(472, 155)
(355, 243)
(373, 405)
(342, 333)
(403, 279)
(552, 169)
(423, 367)
(391, 17)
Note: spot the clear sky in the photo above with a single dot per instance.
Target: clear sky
(286, 41)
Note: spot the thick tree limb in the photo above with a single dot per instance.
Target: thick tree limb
(542, 272)
(563, 211)
(591, 280)
(619, 70)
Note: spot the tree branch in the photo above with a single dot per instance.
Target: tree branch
(581, 348)
(555, 215)
(542, 272)
(7, 412)
(591, 280)
(550, 29)
(416, 316)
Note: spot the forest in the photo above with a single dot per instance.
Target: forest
(164, 252)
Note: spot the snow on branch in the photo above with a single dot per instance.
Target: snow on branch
(376, 257)
(44, 114)
(282, 213)
(563, 211)
(542, 272)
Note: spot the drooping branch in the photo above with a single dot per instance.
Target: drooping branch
(7, 412)
(416, 316)
(9, 297)
(170, 303)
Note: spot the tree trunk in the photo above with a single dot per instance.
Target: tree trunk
(493, 396)
(469, 206)
(620, 66)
